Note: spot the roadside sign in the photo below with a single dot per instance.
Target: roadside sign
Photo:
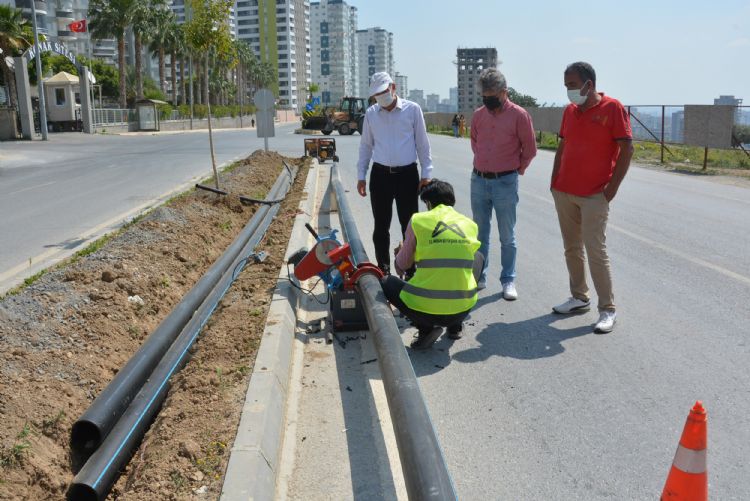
(265, 101)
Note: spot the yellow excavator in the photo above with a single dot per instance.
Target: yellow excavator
(346, 119)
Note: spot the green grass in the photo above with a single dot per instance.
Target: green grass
(444, 131)
(11, 457)
(177, 479)
(674, 155)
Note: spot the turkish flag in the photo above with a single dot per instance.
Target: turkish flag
(78, 26)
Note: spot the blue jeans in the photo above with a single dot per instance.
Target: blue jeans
(502, 195)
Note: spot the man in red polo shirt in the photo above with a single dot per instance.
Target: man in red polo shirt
(590, 163)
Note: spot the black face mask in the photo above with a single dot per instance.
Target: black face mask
(492, 102)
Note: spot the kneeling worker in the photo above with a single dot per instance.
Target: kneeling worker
(443, 245)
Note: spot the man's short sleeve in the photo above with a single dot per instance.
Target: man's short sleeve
(564, 122)
(621, 122)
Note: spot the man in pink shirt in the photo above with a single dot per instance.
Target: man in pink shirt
(503, 142)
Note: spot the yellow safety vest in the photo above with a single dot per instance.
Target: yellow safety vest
(443, 283)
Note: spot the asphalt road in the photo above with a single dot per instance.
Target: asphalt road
(532, 405)
(56, 196)
(529, 405)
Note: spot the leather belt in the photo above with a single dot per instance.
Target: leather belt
(493, 175)
(393, 170)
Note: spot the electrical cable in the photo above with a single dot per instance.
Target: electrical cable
(309, 292)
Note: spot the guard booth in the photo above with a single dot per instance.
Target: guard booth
(148, 113)
(63, 96)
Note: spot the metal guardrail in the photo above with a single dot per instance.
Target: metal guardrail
(425, 471)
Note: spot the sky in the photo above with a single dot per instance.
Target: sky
(644, 52)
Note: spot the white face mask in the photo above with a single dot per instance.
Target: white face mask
(575, 97)
(385, 100)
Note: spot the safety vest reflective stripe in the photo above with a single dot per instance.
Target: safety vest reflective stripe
(690, 461)
(438, 294)
(445, 263)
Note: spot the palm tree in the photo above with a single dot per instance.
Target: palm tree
(181, 50)
(143, 29)
(244, 57)
(174, 44)
(160, 38)
(110, 18)
(15, 35)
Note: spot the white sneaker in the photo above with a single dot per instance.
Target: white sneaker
(606, 322)
(509, 291)
(572, 305)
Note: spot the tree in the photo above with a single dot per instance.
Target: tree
(15, 35)
(144, 28)
(523, 100)
(162, 21)
(175, 46)
(312, 89)
(208, 33)
(106, 75)
(740, 135)
(108, 19)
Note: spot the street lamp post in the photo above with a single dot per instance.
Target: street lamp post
(42, 103)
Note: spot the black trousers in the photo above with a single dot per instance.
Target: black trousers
(423, 321)
(386, 185)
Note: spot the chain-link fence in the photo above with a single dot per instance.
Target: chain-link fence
(665, 124)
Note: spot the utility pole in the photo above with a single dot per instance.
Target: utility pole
(42, 104)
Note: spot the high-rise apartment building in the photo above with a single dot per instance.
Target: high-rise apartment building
(417, 96)
(431, 102)
(453, 97)
(402, 84)
(333, 40)
(375, 47)
(53, 18)
(470, 63)
(279, 32)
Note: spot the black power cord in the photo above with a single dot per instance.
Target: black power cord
(259, 257)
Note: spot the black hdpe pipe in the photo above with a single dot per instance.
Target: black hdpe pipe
(96, 478)
(425, 472)
(94, 425)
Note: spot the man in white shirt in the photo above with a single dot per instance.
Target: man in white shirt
(394, 136)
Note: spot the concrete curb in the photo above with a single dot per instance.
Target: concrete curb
(254, 460)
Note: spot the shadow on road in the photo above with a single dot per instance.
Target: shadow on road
(71, 243)
(524, 340)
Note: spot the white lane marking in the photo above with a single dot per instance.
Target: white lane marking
(28, 188)
(695, 260)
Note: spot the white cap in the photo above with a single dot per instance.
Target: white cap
(379, 82)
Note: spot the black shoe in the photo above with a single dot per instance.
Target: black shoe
(426, 339)
(385, 268)
(454, 331)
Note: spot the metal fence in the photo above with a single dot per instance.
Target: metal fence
(112, 116)
(665, 124)
(121, 116)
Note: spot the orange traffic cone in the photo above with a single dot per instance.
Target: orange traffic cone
(688, 478)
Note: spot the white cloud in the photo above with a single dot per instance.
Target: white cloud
(740, 42)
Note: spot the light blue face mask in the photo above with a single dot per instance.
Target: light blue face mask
(575, 97)
(385, 100)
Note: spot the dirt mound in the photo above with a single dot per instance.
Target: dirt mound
(63, 338)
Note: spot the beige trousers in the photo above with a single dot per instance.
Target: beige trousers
(583, 224)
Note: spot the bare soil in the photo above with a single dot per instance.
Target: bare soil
(64, 337)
